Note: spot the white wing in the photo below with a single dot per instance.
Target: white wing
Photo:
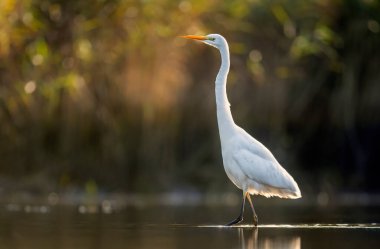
(262, 170)
(260, 166)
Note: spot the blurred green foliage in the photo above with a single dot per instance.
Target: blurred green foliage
(102, 93)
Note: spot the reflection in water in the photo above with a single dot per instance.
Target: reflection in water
(268, 242)
(45, 227)
(252, 239)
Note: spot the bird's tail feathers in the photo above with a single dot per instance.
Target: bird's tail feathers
(268, 191)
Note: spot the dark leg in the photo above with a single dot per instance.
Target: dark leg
(240, 217)
(255, 220)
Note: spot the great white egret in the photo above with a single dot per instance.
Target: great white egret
(248, 163)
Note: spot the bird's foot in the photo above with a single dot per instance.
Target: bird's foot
(235, 221)
(255, 220)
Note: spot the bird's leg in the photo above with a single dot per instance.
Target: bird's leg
(255, 220)
(240, 217)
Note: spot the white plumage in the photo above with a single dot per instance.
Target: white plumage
(260, 171)
(248, 163)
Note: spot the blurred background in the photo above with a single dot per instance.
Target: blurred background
(101, 97)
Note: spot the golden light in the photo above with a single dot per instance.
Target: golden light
(30, 87)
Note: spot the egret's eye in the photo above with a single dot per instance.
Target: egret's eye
(211, 39)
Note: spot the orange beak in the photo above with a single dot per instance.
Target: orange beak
(194, 37)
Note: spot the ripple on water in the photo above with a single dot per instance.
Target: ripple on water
(305, 226)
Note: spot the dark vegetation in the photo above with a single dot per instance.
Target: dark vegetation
(103, 93)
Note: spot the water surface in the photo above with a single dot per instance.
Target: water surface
(178, 227)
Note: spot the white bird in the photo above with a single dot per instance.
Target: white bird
(247, 162)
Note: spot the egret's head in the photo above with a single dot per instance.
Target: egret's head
(214, 40)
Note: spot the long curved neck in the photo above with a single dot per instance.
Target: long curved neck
(225, 121)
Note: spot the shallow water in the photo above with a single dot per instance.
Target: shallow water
(179, 227)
